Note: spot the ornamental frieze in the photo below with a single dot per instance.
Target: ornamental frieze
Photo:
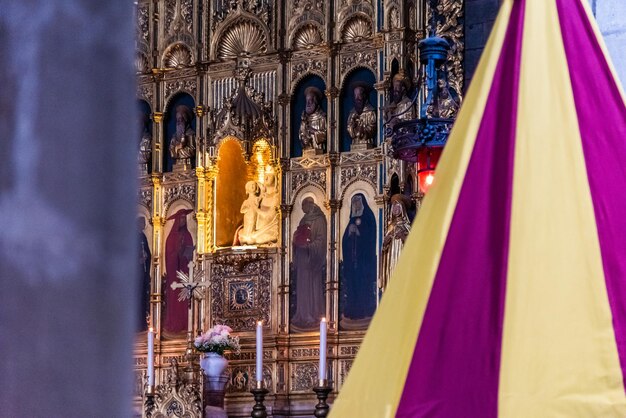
(344, 369)
(145, 93)
(190, 86)
(300, 178)
(373, 155)
(348, 350)
(303, 376)
(307, 163)
(241, 293)
(145, 198)
(143, 20)
(305, 352)
(367, 172)
(367, 59)
(180, 191)
(318, 66)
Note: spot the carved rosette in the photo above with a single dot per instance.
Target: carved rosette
(189, 86)
(367, 172)
(303, 376)
(180, 191)
(301, 178)
(241, 289)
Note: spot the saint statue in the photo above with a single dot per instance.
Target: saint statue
(401, 107)
(313, 122)
(447, 106)
(358, 266)
(362, 119)
(183, 143)
(260, 213)
(145, 260)
(145, 144)
(396, 232)
(178, 253)
(309, 267)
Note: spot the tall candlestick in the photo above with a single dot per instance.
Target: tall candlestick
(259, 351)
(150, 357)
(323, 330)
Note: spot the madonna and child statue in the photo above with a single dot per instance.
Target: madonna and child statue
(260, 213)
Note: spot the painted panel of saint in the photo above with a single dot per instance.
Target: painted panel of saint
(145, 259)
(358, 267)
(178, 253)
(308, 272)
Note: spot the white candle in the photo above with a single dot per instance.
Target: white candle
(150, 357)
(259, 351)
(323, 330)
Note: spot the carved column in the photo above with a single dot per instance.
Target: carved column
(157, 155)
(210, 174)
(201, 213)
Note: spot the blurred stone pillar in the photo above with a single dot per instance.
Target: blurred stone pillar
(68, 240)
(611, 17)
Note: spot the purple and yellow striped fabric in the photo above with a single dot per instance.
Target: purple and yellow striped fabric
(510, 297)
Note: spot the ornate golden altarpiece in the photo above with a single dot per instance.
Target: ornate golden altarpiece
(243, 64)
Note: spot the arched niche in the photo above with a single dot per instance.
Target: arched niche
(297, 107)
(229, 191)
(360, 76)
(358, 249)
(180, 232)
(170, 126)
(145, 132)
(394, 185)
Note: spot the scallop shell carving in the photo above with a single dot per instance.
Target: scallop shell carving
(356, 29)
(177, 56)
(141, 63)
(307, 37)
(243, 39)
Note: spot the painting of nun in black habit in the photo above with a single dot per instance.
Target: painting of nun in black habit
(358, 266)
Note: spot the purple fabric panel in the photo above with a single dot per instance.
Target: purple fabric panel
(602, 120)
(456, 363)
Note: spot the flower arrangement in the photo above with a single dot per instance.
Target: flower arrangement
(217, 340)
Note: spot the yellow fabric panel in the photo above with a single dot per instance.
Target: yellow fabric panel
(559, 356)
(376, 380)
